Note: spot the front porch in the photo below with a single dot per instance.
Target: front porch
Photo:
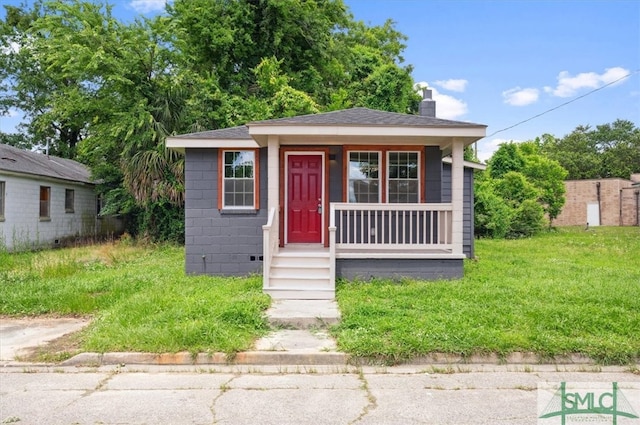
(365, 240)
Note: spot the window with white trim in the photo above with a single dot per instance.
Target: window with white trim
(2, 186)
(364, 176)
(45, 202)
(69, 200)
(239, 179)
(403, 182)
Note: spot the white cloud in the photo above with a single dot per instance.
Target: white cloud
(447, 107)
(569, 85)
(458, 85)
(520, 97)
(486, 148)
(147, 6)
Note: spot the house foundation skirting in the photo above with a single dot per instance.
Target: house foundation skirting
(394, 268)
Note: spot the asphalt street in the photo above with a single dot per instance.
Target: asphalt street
(145, 394)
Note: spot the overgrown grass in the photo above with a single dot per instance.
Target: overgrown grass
(139, 297)
(568, 291)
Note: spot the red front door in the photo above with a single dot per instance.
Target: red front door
(304, 186)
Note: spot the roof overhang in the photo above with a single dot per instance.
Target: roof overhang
(180, 144)
(467, 164)
(336, 135)
(313, 134)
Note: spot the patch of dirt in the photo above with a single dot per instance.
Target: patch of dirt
(54, 351)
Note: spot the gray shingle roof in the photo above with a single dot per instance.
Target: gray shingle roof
(348, 117)
(37, 164)
(367, 117)
(240, 133)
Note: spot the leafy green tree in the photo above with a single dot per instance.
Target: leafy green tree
(548, 177)
(609, 150)
(507, 158)
(619, 143)
(524, 182)
(514, 188)
(108, 93)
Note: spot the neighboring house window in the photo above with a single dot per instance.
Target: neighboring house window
(364, 177)
(384, 176)
(403, 183)
(45, 201)
(2, 185)
(239, 181)
(69, 195)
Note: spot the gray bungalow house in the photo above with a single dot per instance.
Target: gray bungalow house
(355, 193)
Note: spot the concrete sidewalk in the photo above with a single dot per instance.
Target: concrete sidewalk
(286, 395)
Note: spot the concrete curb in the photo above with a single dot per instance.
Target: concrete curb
(276, 358)
(244, 358)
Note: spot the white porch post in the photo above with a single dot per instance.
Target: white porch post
(273, 173)
(457, 195)
(270, 241)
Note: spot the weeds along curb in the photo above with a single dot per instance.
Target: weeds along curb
(316, 358)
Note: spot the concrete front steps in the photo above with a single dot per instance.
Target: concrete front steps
(300, 334)
(301, 273)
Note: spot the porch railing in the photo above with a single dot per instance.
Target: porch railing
(392, 227)
(269, 245)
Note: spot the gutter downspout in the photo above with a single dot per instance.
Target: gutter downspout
(637, 207)
(620, 215)
(599, 204)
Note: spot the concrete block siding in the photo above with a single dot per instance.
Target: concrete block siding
(398, 268)
(220, 242)
(230, 242)
(22, 227)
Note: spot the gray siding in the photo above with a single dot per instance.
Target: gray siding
(468, 239)
(335, 174)
(433, 174)
(230, 242)
(220, 242)
(368, 269)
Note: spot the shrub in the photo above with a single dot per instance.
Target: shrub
(527, 220)
(491, 213)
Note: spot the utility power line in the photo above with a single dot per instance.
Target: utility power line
(563, 104)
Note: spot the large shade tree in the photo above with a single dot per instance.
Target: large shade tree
(108, 93)
(608, 150)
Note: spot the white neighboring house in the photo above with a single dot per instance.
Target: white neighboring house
(44, 200)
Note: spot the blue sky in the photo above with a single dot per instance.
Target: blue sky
(502, 62)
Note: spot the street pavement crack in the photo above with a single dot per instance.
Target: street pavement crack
(372, 403)
(224, 387)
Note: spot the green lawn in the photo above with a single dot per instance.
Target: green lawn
(139, 297)
(570, 291)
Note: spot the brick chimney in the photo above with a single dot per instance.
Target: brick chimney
(428, 105)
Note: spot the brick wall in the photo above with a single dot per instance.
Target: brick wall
(617, 202)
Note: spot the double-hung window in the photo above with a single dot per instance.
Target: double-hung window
(69, 199)
(384, 176)
(403, 184)
(45, 202)
(2, 186)
(239, 179)
(364, 177)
